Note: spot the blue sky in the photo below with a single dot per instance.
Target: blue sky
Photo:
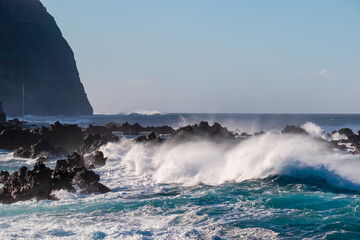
(215, 56)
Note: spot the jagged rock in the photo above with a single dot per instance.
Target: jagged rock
(89, 182)
(294, 130)
(215, 132)
(149, 138)
(68, 136)
(22, 153)
(38, 183)
(244, 134)
(14, 137)
(41, 149)
(27, 184)
(4, 175)
(135, 129)
(44, 148)
(95, 159)
(75, 160)
(33, 52)
(95, 137)
(346, 131)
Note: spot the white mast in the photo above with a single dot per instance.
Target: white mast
(23, 106)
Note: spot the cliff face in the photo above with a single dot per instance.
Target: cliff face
(33, 52)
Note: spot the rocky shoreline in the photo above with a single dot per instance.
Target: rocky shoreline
(78, 149)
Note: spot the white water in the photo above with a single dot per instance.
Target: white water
(258, 157)
(135, 173)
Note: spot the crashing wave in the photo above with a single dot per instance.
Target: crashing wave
(259, 157)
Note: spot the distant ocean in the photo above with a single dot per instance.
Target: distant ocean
(267, 187)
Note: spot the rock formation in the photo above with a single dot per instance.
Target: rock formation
(33, 52)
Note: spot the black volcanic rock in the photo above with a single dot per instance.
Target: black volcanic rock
(69, 174)
(95, 159)
(346, 131)
(294, 130)
(202, 131)
(33, 52)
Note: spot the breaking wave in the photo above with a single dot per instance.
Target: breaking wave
(259, 157)
(146, 112)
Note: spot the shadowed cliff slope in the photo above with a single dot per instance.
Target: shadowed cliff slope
(33, 52)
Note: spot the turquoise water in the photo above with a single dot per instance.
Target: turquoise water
(268, 187)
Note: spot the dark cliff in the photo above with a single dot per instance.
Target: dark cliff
(33, 52)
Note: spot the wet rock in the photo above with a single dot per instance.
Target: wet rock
(149, 138)
(27, 184)
(41, 149)
(346, 131)
(202, 131)
(68, 136)
(14, 137)
(135, 129)
(95, 159)
(38, 183)
(44, 148)
(74, 160)
(294, 130)
(88, 181)
(92, 142)
(244, 134)
(22, 153)
(4, 176)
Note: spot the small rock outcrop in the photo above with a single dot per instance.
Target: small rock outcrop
(95, 159)
(39, 183)
(294, 130)
(149, 138)
(41, 149)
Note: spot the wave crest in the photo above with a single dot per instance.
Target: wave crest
(259, 157)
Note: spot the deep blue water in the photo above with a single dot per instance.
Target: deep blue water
(268, 187)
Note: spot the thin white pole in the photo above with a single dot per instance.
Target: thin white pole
(23, 102)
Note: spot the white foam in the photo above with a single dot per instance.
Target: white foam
(314, 130)
(146, 112)
(258, 157)
(337, 136)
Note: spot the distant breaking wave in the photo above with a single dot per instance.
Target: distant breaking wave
(146, 112)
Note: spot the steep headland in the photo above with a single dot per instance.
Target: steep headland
(33, 52)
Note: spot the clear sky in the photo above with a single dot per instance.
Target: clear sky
(227, 56)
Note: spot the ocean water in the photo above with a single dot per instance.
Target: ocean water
(267, 187)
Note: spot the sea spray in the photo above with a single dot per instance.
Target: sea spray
(206, 162)
(314, 130)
